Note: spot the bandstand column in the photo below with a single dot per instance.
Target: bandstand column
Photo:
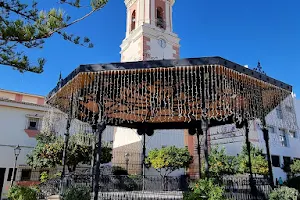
(143, 132)
(266, 138)
(101, 127)
(248, 145)
(204, 127)
(93, 155)
(143, 160)
(199, 133)
(66, 142)
(64, 156)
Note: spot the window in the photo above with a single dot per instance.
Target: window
(159, 13)
(275, 161)
(271, 129)
(26, 174)
(279, 112)
(286, 161)
(293, 134)
(10, 172)
(33, 123)
(133, 19)
(283, 139)
(160, 18)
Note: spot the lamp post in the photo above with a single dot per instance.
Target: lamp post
(17, 151)
(127, 160)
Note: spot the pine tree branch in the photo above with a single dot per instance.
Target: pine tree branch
(18, 12)
(74, 22)
(52, 32)
(23, 24)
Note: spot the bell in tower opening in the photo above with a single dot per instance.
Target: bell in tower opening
(149, 31)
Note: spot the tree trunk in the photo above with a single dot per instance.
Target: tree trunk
(164, 183)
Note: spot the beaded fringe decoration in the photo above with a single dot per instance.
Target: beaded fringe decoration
(169, 94)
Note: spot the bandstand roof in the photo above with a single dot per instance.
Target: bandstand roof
(167, 93)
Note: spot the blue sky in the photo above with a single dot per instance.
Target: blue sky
(241, 31)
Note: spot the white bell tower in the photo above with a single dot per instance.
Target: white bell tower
(149, 36)
(149, 31)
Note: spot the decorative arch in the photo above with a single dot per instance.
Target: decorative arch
(159, 13)
(160, 22)
(133, 20)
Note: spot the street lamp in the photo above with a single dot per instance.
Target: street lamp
(17, 151)
(127, 160)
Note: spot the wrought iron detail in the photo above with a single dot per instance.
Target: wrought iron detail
(130, 186)
(259, 69)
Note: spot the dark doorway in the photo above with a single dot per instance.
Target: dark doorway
(2, 174)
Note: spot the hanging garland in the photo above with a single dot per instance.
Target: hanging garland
(167, 94)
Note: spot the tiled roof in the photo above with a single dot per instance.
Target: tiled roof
(25, 103)
(24, 93)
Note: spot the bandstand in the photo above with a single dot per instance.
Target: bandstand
(194, 94)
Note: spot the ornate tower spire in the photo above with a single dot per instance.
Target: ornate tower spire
(149, 31)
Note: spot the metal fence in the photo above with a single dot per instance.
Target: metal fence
(155, 187)
(239, 188)
(112, 183)
(131, 161)
(140, 196)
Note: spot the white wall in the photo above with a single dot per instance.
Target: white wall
(297, 109)
(287, 123)
(159, 53)
(166, 138)
(125, 136)
(108, 134)
(13, 122)
(133, 51)
(160, 138)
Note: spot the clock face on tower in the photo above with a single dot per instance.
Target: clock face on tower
(162, 43)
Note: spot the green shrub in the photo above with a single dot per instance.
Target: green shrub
(206, 189)
(294, 183)
(22, 193)
(284, 193)
(77, 193)
(44, 177)
(295, 167)
(119, 171)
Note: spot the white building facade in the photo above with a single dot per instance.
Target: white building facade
(20, 121)
(297, 109)
(22, 117)
(284, 136)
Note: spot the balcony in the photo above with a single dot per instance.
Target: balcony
(31, 132)
(32, 127)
